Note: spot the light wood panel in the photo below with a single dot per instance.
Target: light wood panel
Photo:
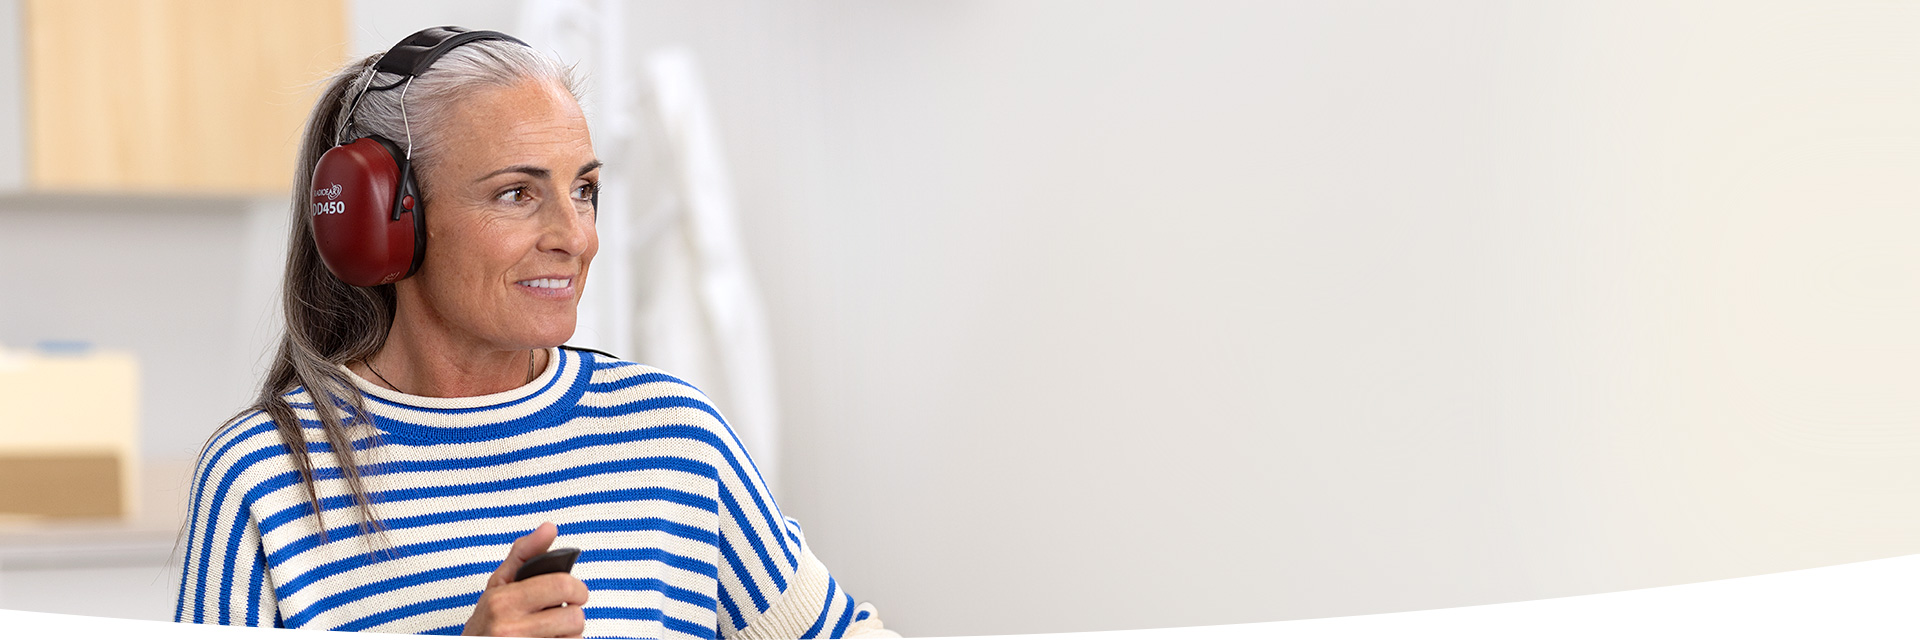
(174, 95)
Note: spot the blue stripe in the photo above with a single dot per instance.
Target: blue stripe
(739, 569)
(462, 601)
(416, 433)
(241, 526)
(624, 613)
(863, 615)
(756, 483)
(219, 497)
(846, 616)
(733, 610)
(364, 591)
(420, 434)
(557, 376)
(336, 567)
(281, 555)
(753, 539)
(635, 381)
(290, 478)
(756, 486)
(445, 631)
(242, 520)
(283, 516)
(649, 613)
(208, 462)
(690, 532)
(690, 628)
(494, 486)
(242, 517)
(726, 452)
(746, 579)
(609, 365)
(559, 412)
(253, 591)
(814, 631)
(688, 596)
(650, 554)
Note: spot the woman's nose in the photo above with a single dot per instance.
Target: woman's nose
(569, 227)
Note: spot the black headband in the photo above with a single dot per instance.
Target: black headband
(418, 51)
(411, 58)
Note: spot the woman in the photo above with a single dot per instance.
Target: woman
(410, 435)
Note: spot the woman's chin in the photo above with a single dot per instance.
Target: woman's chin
(556, 336)
(542, 333)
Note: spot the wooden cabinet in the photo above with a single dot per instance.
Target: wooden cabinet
(204, 96)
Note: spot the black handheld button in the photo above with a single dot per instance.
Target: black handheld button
(555, 561)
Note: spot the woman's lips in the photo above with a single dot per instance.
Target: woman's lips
(548, 287)
(547, 283)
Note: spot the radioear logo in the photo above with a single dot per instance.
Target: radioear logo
(330, 206)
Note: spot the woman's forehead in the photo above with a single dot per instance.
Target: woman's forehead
(530, 123)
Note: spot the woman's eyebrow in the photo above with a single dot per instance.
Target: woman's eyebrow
(540, 173)
(537, 172)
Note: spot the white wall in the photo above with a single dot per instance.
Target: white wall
(179, 281)
(1121, 314)
(12, 101)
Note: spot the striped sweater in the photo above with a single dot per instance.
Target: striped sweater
(680, 536)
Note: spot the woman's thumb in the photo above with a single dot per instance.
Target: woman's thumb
(524, 549)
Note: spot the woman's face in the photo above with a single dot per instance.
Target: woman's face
(509, 220)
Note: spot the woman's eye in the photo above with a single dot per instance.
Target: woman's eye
(516, 194)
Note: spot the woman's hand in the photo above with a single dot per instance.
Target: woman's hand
(531, 608)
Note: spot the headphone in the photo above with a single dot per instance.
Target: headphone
(368, 219)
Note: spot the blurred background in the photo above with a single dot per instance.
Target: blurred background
(1078, 315)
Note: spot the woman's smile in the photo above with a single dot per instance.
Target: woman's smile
(554, 287)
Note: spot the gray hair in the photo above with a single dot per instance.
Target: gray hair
(328, 322)
(431, 96)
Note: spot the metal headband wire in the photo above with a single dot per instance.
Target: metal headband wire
(403, 117)
(346, 119)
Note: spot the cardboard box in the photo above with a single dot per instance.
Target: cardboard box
(69, 436)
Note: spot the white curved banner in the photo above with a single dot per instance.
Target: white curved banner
(1875, 599)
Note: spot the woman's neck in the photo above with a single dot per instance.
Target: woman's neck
(435, 365)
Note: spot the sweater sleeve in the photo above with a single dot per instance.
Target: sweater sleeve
(223, 574)
(814, 606)
(771, 585)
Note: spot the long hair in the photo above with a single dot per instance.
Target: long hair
(329, 323)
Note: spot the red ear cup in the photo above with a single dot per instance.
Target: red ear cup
(365, 213)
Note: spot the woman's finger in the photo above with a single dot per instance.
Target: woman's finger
(526, 608)
(531, 608)
(546, 591)
(558, 622)
(524, 549)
